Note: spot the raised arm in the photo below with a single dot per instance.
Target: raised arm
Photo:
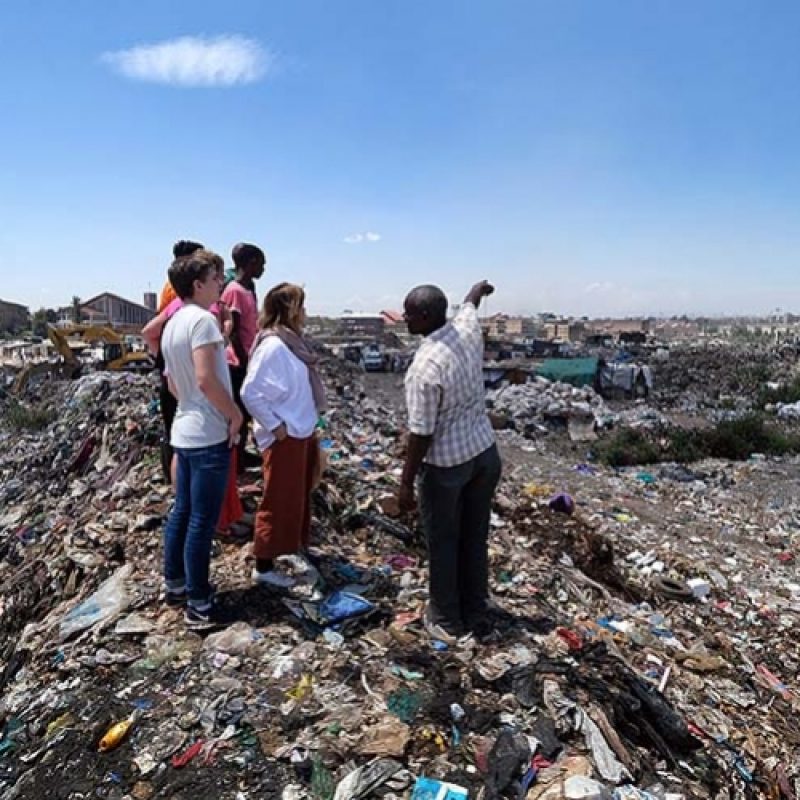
(478, 292)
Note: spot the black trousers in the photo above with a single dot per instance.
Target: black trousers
(238, 374)
(169, 407)
(455, 506)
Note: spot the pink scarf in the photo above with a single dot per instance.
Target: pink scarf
(301, 348)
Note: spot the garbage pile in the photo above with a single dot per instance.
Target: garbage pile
(787, 411)
(607, 674)
(729, 376)
(541, 406)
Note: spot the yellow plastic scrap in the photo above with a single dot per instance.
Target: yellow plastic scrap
(58, 724)
(427, 734)
(302, 689)
(537, 490)
(116, 733)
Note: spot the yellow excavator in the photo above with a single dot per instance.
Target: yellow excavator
(68, 342)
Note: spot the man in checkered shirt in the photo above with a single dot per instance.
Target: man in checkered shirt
(452, 450)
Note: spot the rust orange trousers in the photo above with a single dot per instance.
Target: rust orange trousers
(283, 519)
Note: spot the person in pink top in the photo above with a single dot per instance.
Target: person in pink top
(240, 297)
(232, 511)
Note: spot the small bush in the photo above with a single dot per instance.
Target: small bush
(684, 446)
(738, 439)
(735, 440)
(21, 417)
(627, 448)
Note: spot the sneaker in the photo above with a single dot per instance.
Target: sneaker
(439, 631)
(273, 579)
(211, 616)
(175, 598)
(306, 572)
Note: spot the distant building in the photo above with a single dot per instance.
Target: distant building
(500, 326)
(564, 330)
(111, 309)
(394, 323)
(616, 327)
(359, 324)
(392, 317)
(151, 300)
(13, 316)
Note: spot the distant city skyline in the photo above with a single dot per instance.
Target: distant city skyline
(597, 159)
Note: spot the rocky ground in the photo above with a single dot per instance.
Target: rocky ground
(315, 696)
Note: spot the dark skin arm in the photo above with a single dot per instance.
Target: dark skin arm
(236, 342)
(416, 448)
(478, 292)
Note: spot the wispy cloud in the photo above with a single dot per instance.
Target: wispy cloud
(600, 287)
(194, 61)
(361, 238)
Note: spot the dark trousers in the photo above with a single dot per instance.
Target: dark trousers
(238, 374)
(455, 505)
(169, 407)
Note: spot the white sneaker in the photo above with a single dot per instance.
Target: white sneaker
(273, 579)
(305, 570)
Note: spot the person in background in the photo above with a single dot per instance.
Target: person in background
(451, 446)
(232, 510)
(184, 247)
(166, 402)
(240, 296)
(284, 394)
(206, 426)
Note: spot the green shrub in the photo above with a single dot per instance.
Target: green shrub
(627, 448)
(738, 439)
(735, 440)
(21, 417)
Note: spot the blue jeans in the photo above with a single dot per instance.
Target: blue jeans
(199, 493)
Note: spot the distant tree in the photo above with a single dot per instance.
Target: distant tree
(39, 322)
(52, 316)
(76, 310)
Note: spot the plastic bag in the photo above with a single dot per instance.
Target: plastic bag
(110, 599)
(340, 606)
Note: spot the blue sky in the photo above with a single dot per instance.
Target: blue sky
(588, 157)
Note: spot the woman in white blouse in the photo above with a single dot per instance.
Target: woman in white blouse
(284, 394)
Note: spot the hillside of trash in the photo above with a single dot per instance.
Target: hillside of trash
(644, 645)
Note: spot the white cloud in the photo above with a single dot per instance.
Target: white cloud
(360, 238)
(600, 287)
(194, 61)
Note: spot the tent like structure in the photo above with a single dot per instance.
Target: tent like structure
(575, 371)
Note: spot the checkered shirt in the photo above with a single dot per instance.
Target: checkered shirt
(444, 392)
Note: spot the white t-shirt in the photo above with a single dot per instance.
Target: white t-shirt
(277, 389)
(197, 423)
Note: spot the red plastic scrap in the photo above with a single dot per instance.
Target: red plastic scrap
(786, 558)
(574, 642)
(184, 758)
(697, 731)
(773, 682)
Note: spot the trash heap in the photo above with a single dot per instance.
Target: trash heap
(541, 406)
(597, 680)
(697, 378)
